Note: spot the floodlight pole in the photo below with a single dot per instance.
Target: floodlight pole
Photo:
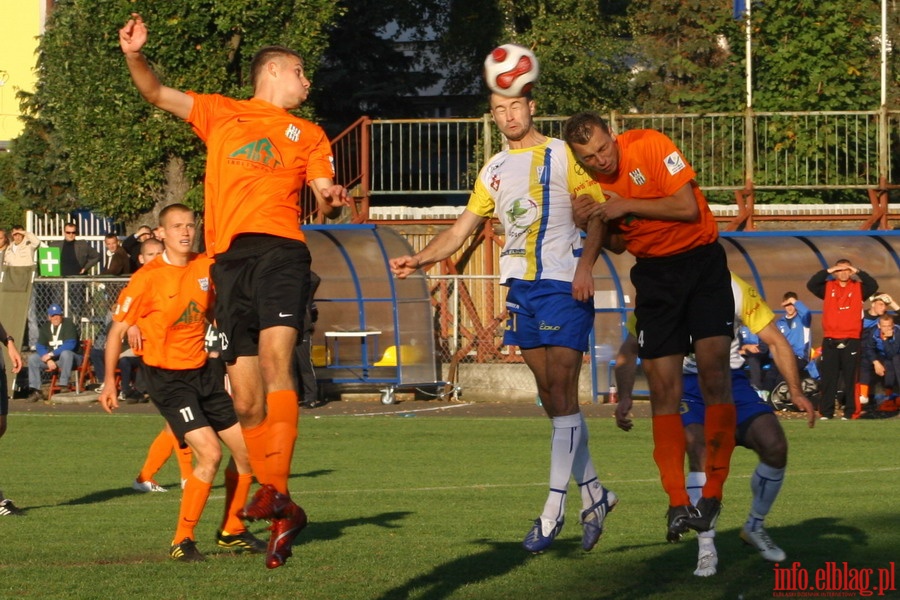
(884, 34)
(745, 197)
(879, 197)
(748, 52)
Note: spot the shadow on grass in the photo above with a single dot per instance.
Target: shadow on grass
(628, 573)
(742, 573)
(496, 560)
(112, 494)
(308, 474)
(332, 530)
(102, 496)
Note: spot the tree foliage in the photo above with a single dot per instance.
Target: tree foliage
(816, 55)
(685, 56)
(584, 63)
(91, 142)
(806, 55)
(122, 155)
(375, 62)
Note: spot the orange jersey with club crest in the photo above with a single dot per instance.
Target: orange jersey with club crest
(652, 167)
(259, 157)
(169, 303)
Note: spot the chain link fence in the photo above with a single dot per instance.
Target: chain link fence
(88, 302)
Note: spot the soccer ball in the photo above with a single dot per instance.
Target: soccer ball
(510, 70)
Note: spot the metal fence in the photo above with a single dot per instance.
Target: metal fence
(774, 151)
(88, 301)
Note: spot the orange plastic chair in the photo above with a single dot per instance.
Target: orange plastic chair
(82, 374)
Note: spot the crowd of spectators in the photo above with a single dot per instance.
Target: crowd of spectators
(78, 258)
(47, 351)
(855, 367)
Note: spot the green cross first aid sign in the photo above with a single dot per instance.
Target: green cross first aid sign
(48, 259)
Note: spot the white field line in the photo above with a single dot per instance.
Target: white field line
(474, 486)
(655, 480)
(397, 412)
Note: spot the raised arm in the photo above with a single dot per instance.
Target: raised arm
(443, 245)
(132, 38)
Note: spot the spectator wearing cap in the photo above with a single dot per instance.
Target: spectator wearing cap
(57, 347)
(879, 305)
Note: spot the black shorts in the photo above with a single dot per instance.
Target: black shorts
(4, 391)
(262, 281)
(682, 298)
(193, 398)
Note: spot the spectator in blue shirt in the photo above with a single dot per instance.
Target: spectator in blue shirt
(880, 305)
(794, 325)
(57, 348)
(756, 355)
(881, 358)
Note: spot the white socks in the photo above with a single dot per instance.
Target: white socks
(695, 483)
(564, 443)
(765, 485)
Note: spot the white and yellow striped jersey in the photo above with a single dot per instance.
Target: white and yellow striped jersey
(529, 190)
(750, 310)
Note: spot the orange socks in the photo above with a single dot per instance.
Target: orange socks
(721, 420)
(193, 499)
(185, 459)
(283, 412)
(256, 439)
(270, 445)
(237, 488)
(669, 449)
(157, 455)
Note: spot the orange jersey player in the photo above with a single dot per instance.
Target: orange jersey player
(259, 156)
(683, 295)
(168, 300)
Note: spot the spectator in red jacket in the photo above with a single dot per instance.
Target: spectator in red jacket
(843, 289)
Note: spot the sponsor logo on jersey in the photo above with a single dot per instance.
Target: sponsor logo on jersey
(204, 284)
(190, 316)
(544, 326)
(261, 152)
(674, 163)
(495, 182)
(520, 216)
